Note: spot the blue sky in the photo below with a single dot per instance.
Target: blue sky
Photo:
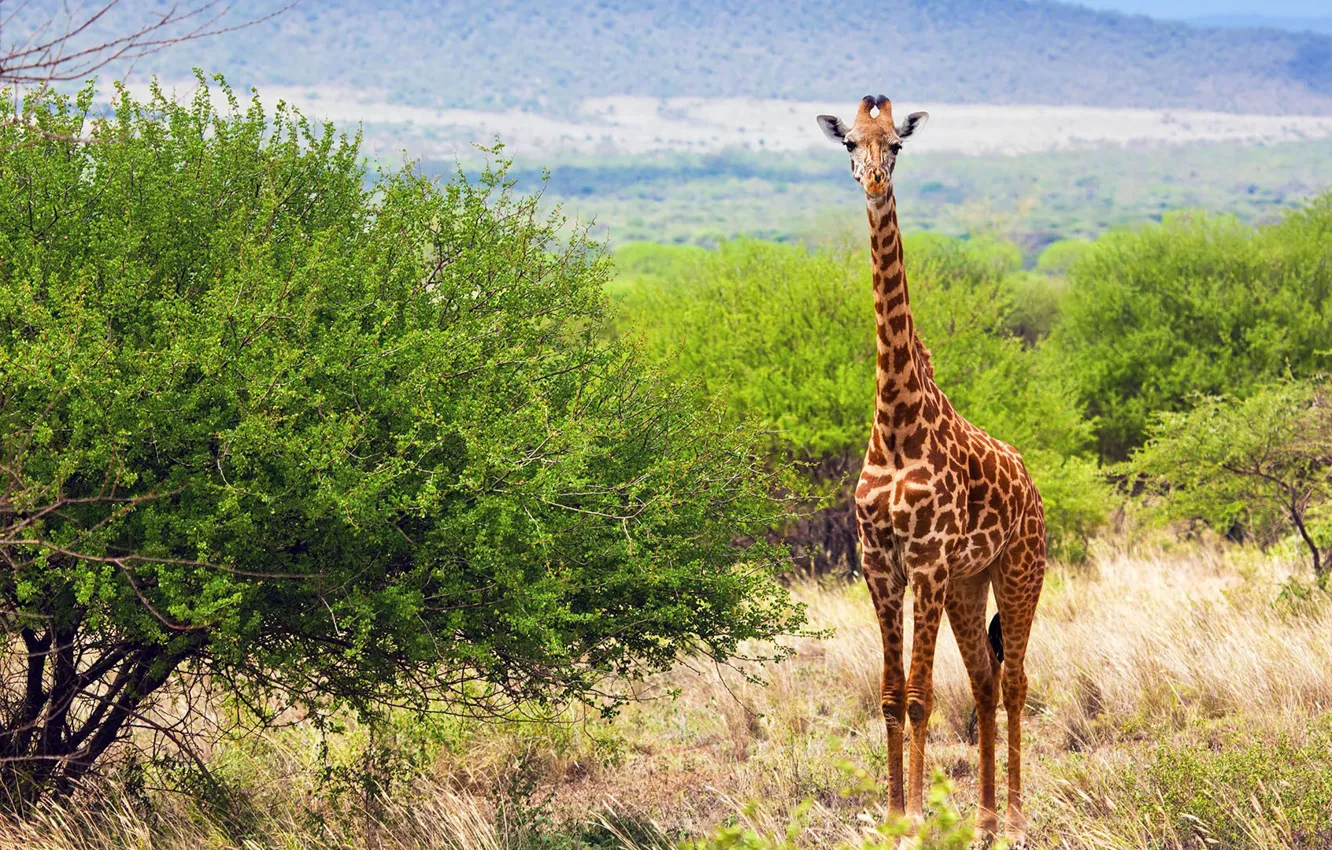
(1201, 8)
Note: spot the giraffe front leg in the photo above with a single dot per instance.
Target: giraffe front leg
(928, 586)
(887, 591)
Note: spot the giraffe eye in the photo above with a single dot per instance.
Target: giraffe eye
(895, 148)
(850, 146)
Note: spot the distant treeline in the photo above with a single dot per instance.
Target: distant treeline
(1032, 199)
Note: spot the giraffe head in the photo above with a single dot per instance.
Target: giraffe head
(873, 141)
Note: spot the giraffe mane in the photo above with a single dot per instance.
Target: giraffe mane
(923, 360)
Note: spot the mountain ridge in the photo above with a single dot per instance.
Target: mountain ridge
(1304, 24)
(552, 55)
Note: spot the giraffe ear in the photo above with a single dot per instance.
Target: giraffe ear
(833, 128)
(913, 122)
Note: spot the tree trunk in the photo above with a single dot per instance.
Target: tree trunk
(74, 706)
(825, 541)
(1297, 516)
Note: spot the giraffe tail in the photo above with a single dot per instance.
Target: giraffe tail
(997, 643)
(997, 638)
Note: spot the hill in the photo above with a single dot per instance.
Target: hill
(1323, 25)
(549, 55)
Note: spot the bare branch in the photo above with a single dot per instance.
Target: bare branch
(59, 50)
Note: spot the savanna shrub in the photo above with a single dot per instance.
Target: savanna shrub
(1261, 465)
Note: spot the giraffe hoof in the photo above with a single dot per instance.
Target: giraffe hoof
(984, 840)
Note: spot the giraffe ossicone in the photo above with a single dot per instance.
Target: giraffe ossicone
(941, 506)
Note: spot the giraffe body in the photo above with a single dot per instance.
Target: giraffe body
(941, 507)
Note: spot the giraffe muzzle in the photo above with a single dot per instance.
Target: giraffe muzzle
(876, 181)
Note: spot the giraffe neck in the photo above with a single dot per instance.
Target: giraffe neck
(900, 389)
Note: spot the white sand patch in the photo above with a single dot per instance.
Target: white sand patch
(632, 125)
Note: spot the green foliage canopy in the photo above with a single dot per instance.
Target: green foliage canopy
(1197, 304)
(340, 443)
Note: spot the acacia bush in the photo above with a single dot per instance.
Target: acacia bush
(1195, 305)
(321, 441)
(786, 336)
(1260, 465)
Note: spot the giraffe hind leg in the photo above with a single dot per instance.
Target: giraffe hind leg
(965, 605)
(1017, 587)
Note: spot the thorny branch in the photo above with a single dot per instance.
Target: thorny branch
(70, 46)
(59, 49)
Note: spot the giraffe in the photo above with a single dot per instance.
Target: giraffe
(940, 505)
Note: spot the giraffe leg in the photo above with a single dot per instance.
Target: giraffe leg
(887, 590)
(928, 587)
(965, 605)
(1017, 586)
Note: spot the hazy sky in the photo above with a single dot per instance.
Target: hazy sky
(1200, 8)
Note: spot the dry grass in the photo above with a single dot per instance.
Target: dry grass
(1175, 703)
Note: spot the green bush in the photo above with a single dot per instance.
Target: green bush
(1197, 304)
(329, 443)
(1261, 465)
(1038, 296)
(786, 336)
(647, 265)
(779, 333)
(1059, 257)
(1212, 794)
